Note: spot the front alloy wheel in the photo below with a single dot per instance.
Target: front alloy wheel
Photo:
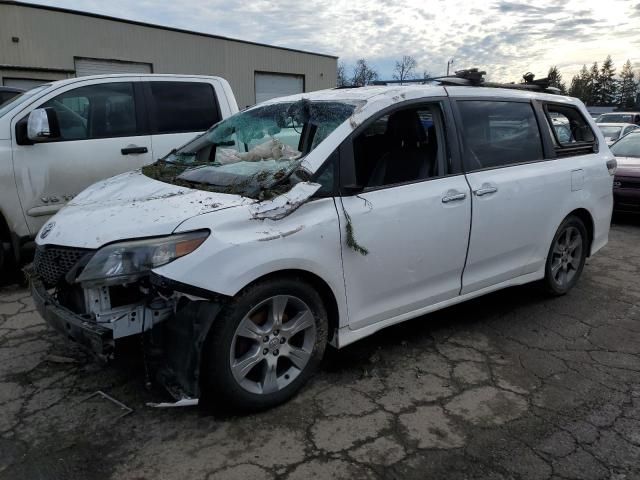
(272, 344)
(264, 345)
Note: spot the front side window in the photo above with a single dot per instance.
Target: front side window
(95, 111)
(570, 132)
(404, 146)
(255, 153)
(182, 107)
(498, 134)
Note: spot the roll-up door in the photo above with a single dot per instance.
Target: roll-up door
(94, 66)
(273, 85)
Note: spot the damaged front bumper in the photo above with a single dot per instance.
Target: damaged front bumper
(96, 338)
(174, 335)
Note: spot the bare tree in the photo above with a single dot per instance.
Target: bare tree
(405, 68)
(341, 80)
(363, 74)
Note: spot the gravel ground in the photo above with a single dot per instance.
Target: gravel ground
(512, 385)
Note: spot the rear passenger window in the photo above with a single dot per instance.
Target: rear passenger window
(182, 107)
(497, 134)
(569, 130)
(407, 145)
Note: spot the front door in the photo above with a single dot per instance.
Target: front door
(100, 127)
(405, 234)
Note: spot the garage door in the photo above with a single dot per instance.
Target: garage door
(24, 83)
(272, 85)
(94, 66)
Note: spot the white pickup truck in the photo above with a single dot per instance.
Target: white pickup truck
(59, 138)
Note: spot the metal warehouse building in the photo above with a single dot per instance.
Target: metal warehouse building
(39, 44)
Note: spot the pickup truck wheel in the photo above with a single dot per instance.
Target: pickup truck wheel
(566, 257)
(7, 263)
(264, 345)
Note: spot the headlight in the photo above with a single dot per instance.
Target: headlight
(126, 261)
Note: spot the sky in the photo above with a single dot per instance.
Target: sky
(507, 38)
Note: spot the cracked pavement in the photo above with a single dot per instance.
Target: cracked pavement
(514, 385)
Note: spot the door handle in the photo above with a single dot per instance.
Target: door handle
(134, 149)
(485, 190)
(453, 196)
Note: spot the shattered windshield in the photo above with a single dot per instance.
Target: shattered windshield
(254, 153)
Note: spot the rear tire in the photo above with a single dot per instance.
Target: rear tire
(566, 258)
(264, 345)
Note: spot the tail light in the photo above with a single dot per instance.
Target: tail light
(612, 166)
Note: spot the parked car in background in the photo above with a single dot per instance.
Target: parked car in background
(59, 138)
(7, 93)
(323, 218)
(614, 131)
(626, 184)
(619, 117)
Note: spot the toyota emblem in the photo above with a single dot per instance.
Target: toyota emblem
(47, 229)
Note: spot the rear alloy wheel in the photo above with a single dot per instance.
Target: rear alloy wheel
(566, 257)
(264, 345)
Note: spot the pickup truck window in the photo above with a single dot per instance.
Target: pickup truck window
(96, 111)
(182, 107)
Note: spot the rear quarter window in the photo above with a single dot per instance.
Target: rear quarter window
(569, 130)
(176, 107)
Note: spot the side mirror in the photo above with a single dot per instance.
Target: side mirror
(43, 125)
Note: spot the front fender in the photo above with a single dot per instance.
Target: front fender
(242, 249)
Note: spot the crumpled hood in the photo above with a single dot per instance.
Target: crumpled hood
(130, 205)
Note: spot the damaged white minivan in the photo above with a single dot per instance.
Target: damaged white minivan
(319, 219)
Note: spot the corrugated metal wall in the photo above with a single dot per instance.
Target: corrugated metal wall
(51, 39)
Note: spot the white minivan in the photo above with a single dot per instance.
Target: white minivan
(319, 219)
(87, 129)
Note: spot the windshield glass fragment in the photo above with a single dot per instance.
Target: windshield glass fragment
(255, 153)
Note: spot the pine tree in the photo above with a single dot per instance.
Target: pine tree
(592, 90)
(608, 85)
(579, 85)
(628, 87)
(555, 79)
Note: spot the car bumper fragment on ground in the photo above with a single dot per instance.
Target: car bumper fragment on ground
(513, 385)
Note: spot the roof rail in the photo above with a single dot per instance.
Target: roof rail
(472, 77)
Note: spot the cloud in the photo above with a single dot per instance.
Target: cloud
(504, 37)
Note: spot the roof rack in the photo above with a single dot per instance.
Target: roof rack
(472, 77)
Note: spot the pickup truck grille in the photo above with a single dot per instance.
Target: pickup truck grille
(52, 262)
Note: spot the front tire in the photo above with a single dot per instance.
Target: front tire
(264, 345)
(566, 257)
